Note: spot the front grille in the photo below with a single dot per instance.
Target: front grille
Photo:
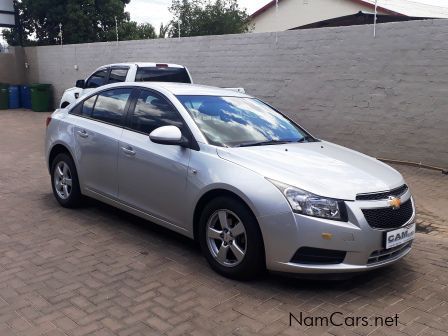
(389, 218)
(384, 255)
(311, 255)
(383, 194)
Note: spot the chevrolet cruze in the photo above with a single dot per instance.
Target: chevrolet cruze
(254, 188)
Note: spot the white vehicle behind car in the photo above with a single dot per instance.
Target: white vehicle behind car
(129, 72)
(126, 72)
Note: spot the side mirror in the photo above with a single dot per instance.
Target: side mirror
(168, 135)
(80, 83)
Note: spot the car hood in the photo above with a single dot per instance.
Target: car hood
(320, 167)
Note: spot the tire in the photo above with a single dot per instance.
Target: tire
(63, 170)
(219, 244)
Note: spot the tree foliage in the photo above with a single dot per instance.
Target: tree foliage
(204, 17)
(82, 21)
(164, 29)
(131, 30)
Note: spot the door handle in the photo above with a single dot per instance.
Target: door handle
(128, 150)
(83, 134)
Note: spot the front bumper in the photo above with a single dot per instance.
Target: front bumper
(285, 233)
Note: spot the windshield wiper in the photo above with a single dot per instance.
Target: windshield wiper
(306, 138)
(264, 143)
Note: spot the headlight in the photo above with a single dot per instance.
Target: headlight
(306, 203)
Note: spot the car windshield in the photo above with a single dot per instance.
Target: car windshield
(239, 121)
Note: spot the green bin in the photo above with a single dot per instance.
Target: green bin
(4, 96)
(41, 97)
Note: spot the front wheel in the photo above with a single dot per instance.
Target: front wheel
(64, 181)
(231, 240)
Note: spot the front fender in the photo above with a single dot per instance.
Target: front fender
(215, 173)
(69, 95)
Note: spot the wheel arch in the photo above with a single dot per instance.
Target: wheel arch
(210, 195)
(58, 149)
(220, 192)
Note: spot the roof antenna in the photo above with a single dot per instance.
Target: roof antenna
(374, 20)
(60, 33)
(116, 28)
(276, 19)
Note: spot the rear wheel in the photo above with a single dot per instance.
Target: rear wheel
(230, 239)
(64, 181)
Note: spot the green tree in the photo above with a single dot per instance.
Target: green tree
(130, 30)
(164, 29)
(82, 21)
(204, 17)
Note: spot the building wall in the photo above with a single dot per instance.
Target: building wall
(296, 13)
(12, 66)
(387, 97)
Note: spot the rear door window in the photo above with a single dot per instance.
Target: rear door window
(162, 74)
(97, 79)
(111, 105)
(117, 75)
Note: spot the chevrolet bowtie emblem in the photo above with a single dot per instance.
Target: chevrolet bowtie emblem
(394, 202)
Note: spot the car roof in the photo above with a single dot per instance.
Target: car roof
(183, 89)
(142, 64)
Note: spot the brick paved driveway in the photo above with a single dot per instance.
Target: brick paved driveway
(99, 271)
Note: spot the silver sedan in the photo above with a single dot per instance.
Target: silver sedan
(255, 189)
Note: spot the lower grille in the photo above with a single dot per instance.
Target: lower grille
(384, 255)
(389, 218)
(311, 255)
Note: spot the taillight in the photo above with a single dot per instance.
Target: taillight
(48, 121)
(162, 65)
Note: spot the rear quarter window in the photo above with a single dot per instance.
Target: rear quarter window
(84, 108)
(159, 74)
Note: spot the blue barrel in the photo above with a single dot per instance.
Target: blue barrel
(14, 97)
(25, 96)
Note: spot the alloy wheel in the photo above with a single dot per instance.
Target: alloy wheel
(226, 238)
(63, 180)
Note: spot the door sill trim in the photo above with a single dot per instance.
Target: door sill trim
(135, 211)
